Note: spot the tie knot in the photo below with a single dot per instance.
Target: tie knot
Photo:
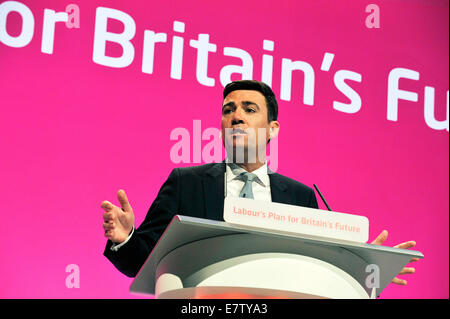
(246, 176)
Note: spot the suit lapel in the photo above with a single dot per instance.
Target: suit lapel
(213, 187)
(278, 189)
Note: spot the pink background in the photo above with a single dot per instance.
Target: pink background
(73, 132)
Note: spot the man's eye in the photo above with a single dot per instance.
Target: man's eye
(250, 110)
(226, 111)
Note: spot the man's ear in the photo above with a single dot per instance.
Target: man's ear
(274, 129)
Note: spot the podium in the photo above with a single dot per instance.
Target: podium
(201, 258)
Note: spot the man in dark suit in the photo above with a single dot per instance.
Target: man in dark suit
(249, 121)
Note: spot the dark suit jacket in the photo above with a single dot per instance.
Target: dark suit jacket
(199, 192)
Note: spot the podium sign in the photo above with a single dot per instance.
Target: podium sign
(295, 219)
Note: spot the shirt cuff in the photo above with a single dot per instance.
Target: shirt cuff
(115, 247)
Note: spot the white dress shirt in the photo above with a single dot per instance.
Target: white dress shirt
(260, 186)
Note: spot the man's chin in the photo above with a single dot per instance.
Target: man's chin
(241, 154)
(235, 141)
(238, 148)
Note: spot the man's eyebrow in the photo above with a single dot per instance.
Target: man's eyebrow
(231, 103)
(247, 103)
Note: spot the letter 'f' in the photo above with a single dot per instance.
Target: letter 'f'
(394, 93)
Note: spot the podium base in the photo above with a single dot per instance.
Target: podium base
(257, 275)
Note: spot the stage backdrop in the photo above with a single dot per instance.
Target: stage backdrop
(99, 95)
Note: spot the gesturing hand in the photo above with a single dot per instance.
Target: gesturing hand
(406, 270)
(118, 222)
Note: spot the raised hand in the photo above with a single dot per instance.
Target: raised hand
(406, 270)
(118, 221)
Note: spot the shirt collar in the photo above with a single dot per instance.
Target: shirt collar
(263, 177)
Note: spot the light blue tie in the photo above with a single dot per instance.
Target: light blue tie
(247, 190)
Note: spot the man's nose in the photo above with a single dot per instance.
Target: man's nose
(237, 117)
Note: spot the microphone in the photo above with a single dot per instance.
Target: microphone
(323, 199)
(225, 192)
(225, 189)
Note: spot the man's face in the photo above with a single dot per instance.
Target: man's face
(243, 113)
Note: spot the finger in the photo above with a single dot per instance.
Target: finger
(123, 199)
(381, 238)
(108, 234)
(406, 245)
(399, 281)
(107, 206)
(414, 259)
(407, 271)
(108, 216)
(108, 226)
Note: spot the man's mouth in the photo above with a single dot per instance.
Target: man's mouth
(238, 131)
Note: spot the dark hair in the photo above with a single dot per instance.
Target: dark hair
(264, 89)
